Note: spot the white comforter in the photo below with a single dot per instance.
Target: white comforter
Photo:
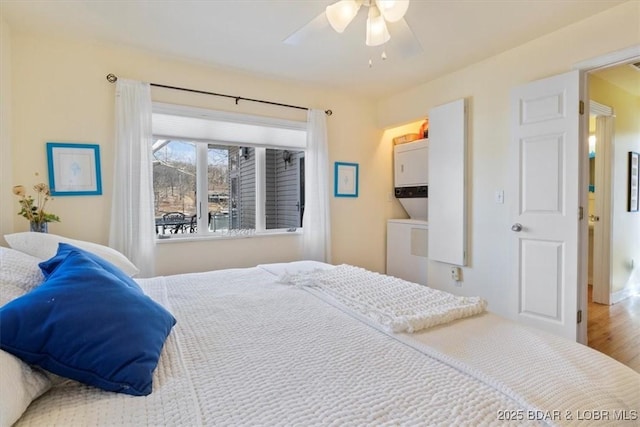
(249, 351)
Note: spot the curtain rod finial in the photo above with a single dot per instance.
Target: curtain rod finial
(328, 112)
(112, 78)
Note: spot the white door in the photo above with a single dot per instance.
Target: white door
(448, 183)
(545, 150)
(601, 221)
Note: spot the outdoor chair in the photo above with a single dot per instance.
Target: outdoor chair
(174, 222)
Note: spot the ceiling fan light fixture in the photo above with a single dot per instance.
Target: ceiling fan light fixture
(377, 32)
(340, 14)
(393, 10)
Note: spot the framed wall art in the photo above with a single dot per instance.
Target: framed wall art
(74, 169)
(345, 179)
(634, 185)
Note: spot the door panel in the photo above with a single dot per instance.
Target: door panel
(540, 284)
(545, 155)
(542, 174)
(542, 108)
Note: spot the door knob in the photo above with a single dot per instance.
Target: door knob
(516, 227)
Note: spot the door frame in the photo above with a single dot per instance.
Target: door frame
(611, 59)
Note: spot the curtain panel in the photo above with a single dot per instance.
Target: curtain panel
(132, 230)
(316, 224)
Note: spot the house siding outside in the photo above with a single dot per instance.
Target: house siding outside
(282, 198)
(246, 204)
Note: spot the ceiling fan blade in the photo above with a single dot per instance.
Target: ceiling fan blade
(403, 39)
(315, 26)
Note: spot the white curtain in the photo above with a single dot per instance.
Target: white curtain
(316, 222)
(132, 229)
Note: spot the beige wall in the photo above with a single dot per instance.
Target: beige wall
(487, 86)
(6, 208)
(625, 230)
(60, 94)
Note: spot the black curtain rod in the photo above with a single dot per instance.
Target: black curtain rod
(112, 78)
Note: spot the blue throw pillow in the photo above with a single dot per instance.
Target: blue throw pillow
(64, 249)
(84, 323)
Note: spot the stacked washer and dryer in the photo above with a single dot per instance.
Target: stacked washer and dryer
(407, 238)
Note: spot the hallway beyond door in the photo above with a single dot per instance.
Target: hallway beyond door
(615, 329)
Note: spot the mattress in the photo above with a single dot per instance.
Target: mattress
(248, 349)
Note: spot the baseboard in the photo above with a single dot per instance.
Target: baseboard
(624, 293)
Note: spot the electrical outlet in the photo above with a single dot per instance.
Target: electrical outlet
(455, 273)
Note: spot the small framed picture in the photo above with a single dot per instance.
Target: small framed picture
(634, 181)
(74, 169)
(345, 180)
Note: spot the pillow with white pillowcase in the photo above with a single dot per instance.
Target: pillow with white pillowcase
(45, 246)
(19, 273)
(19, 383)
(19, 386)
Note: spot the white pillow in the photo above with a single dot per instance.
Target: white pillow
(19, 273)
(45, 246)
(19, 386)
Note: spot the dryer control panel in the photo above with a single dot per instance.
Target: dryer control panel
(412, 192)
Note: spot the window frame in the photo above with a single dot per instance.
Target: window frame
(270, 126)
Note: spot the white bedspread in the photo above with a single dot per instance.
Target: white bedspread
(249, 351)
(568, 382)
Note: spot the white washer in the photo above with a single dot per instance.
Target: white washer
(407, 249)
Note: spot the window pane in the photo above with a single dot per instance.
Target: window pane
(218, 196)
(232, 189)
(174, 184)
(284, 171)
(243, 188)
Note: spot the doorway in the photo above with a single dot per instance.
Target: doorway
(614, 297)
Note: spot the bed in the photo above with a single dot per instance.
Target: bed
(269, 346)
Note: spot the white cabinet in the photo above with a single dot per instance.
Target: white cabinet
(407, 249)
(410, 163)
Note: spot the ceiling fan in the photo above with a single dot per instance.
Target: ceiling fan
(385, 18)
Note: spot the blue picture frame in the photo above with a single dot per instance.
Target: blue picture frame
(74, 169)
(345, 182)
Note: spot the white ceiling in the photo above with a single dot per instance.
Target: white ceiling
(248, 34)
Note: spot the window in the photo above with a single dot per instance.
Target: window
(205, 187)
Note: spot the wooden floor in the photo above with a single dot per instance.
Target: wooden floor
(615, 330)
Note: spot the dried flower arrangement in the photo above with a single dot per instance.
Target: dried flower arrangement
(32, 210)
